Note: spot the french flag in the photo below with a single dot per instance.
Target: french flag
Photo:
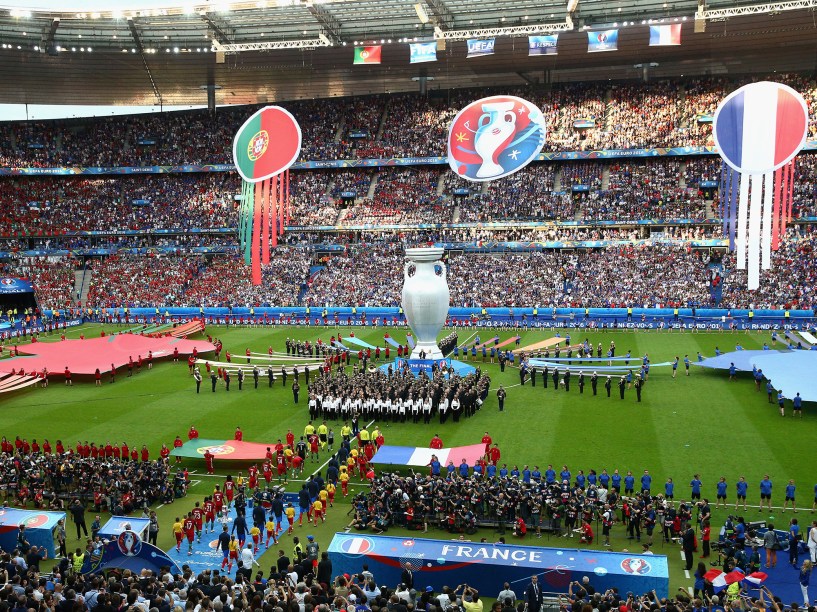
(665, 35)
(760, 130)
(357, 546)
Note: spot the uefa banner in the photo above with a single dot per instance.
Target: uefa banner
(543, 45)
(479, 47)
(603, 40)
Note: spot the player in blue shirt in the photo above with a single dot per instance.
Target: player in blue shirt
(700, 357)
(503, 471)
(669, 489)
(580, 479)
(604, 479)
(732, 371)
(686, 363)
(550, 475)
(463, 469)
(721, 486)
(717, 352)
(515, 473)
(797, 406)
(765, 493)
(526, 475)
(646, 482)
(565, 473)
(451, 469)
(789, 497)
(695, 485)
(769, 391)
(490, 471)
(675, 366)
(616, 480)
(536, 475)
(742, 487)
(629, 483)
(781, 401)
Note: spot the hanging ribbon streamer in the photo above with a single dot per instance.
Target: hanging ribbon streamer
(265, 220)
(758, 130)
(274, 216)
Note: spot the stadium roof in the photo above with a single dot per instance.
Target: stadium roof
(146, 51)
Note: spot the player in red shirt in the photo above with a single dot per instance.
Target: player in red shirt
(192, 433)
(145, 454)
(361, 463)
(494, 454)
(209, 515)
(486, 440)
(252, 476)
(290, 438)
(177, 443)
(60, 448)
(198, 519)
(281, 467)
(239, 435)
(46, 446)
(175, 354)
(229, 490)
(165, 452)
(189, 528)
(134, 455)
(436, 442)
(125, 452)
(266, 470)
(208, 459)
(314, 447)
(218, 499)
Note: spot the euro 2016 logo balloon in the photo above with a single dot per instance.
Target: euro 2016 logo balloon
(494, 137)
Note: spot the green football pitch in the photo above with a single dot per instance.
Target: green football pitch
(698, 424)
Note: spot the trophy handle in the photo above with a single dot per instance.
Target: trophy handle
(512, 115)
(486, 116)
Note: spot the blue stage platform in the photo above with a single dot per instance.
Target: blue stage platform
(438, 563)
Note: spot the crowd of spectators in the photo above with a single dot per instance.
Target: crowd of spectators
(134, 281)
(52, 278)
(362, 276)
(649, 275)
(226, 281)
(622, 115)
(401, 195)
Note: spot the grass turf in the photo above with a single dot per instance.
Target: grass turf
(701, 423)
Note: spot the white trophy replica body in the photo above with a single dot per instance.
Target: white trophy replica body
(425, 299)
(495, 125)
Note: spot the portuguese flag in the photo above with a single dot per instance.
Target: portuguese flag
(367, 55)
(267, 144)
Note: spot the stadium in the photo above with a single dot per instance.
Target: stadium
(399, 304)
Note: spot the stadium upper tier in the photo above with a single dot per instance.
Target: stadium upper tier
(371, 275)
(623, 115)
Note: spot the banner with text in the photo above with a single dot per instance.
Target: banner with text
(604, 40)
(478, 47)
(543, 45)
(423, 52)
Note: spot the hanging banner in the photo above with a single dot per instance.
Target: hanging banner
(423, 52)
(758, 130)
(665, 35)
(268, 143)
(543, 45)
(605, 40)
(367, 55)
(494, 137)
(478, 47)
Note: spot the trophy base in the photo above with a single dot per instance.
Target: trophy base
(416, 366)
(431, 350)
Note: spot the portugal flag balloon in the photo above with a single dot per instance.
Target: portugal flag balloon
(264, 148)
(758, 129)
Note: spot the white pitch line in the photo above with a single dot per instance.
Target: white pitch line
(684, 558)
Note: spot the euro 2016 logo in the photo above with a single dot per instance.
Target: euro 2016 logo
(635, 565)
(7, 281)
(494, 137)
(258, 145)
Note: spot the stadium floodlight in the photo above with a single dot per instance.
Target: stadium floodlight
(422, 15)
(572, 5)
(438, 32)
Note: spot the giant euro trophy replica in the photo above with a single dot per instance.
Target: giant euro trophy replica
(425, 299)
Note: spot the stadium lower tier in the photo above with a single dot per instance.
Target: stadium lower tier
(648, 275)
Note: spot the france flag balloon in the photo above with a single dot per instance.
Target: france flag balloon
(758, 130)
